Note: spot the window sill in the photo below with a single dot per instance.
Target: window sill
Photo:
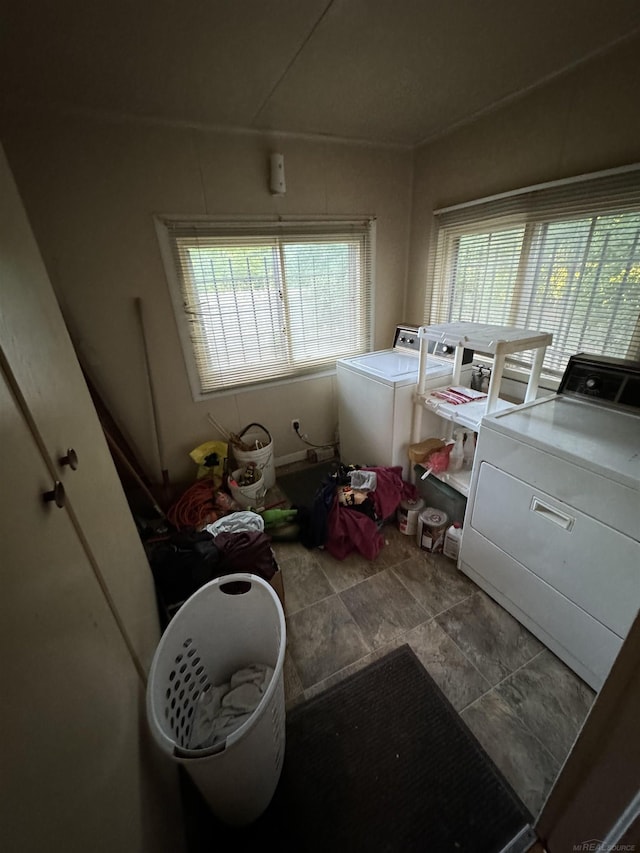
(263, 386)
(521, 375)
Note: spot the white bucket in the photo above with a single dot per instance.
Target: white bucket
(407, 515)
(251, 495)
(261, 455)
(432, 526)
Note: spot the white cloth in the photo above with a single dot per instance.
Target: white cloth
(364, 480)
(236, 522)
(223, 708)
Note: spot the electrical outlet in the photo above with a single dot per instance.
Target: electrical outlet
(295, 424)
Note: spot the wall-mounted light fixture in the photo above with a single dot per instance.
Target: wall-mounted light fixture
(276, 182)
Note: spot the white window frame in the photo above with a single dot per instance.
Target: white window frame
(529, 209)
(236, 228)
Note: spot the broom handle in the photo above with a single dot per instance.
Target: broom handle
(154, 405)
(122, 457)
(223, 432)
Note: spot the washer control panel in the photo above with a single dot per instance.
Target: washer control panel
(406, 340)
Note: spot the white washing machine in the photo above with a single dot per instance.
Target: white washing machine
(375, 399)
(552, 526)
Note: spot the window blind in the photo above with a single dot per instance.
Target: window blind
(561, 258)
(258, 301)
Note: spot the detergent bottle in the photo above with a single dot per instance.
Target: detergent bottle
(452, 540)
(469, 449)
(456, 457)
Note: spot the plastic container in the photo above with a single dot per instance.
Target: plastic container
(251, 495)
(469, 450)
(432, 525)
(452, 540)
(456, 457)
(364, 480)
(445, 497)
(227, 624)
(407, 515)
(261, 454)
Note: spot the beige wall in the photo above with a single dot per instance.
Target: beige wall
(91, 187)
(584, 121)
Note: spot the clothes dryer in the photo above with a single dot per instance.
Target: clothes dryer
(551, 531)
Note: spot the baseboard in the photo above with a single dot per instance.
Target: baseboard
(298, 456)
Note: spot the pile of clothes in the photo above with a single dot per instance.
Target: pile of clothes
(347, 514)
(350, 508)
(183, 561)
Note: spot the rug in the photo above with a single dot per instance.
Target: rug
(300, 487)
(379, 762)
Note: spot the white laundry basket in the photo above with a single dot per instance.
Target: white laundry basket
(214, 634)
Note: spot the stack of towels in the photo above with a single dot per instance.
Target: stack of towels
(223, 708)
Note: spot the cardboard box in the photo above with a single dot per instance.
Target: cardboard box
(278, 585)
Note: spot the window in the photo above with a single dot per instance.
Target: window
(270, 300)
(561, 258)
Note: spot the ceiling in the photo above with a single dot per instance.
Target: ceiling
(385, 71)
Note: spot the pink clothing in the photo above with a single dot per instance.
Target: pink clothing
(390, 490)
(352, 530)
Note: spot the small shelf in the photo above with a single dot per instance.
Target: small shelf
(485, 338)
(467, 415)
(498, 341)
(458, 480)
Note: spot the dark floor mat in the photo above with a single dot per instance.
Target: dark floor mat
(379, 762)
(300, 487)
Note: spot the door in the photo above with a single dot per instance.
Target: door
(79, 621)
(596, 797)
(41, 357)
(70, 738)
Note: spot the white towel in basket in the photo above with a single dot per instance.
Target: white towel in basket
(223, 708)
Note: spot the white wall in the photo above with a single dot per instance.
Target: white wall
(91, 187)
(584, 121)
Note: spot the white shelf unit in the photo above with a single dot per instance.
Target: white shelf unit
(459, 480)
(485, 339)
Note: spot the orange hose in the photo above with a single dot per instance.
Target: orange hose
(196, 507)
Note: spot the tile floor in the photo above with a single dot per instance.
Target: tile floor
(522, 703)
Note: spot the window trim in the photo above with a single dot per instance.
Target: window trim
(535, 188)
(161, 223)
(527, 208)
